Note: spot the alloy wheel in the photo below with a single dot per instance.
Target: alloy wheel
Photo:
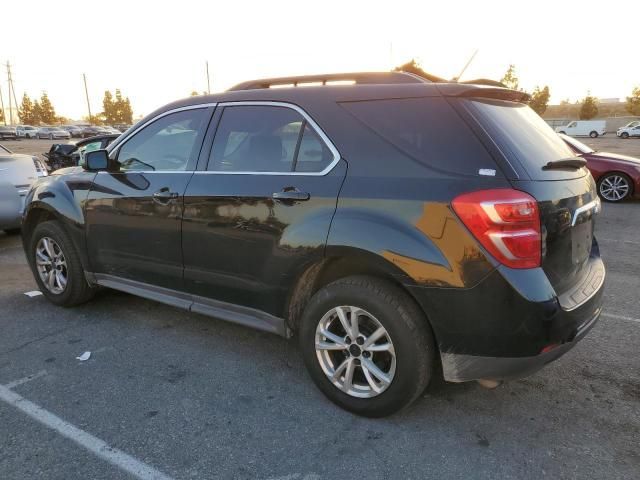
(614, 188)
(355, 352)
(52, 265)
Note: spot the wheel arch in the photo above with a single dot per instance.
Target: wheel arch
(342, 263)
(53, 201)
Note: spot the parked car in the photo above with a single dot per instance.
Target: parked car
(122, 127)
(52, 133)
(63, 155)
(584, 128)
(92, 131)
(17, 173)
(8, 132)
(110, 129)
(74, 130)
(459, 239)
(27, 131)
(632, 129)
(617, 176)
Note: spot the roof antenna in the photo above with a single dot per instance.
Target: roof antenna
(455, 79)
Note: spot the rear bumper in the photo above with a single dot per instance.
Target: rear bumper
(464, 368)
(512, 323)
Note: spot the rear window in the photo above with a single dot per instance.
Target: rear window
(428, 130)
(523, 136)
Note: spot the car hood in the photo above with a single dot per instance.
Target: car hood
(613, 157)
(65, 171)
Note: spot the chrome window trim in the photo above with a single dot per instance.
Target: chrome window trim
(310, 121)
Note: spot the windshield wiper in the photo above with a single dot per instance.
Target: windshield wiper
(571, 162)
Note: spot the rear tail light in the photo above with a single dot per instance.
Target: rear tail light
(506, 222)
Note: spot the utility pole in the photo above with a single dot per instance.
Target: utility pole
(86, 93)
(4, 116)
(9, 88)
(208, 84)
(15, 99)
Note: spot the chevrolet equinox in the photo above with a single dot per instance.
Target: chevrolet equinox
(400, 228)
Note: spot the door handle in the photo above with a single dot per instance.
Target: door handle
(164, 195)
(291, 194)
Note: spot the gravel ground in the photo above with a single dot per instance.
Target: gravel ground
(195, 397)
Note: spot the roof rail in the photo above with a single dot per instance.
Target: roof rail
(331, 78)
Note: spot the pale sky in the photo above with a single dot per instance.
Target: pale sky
(155, 51)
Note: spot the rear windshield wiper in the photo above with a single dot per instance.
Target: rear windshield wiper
(571, 162)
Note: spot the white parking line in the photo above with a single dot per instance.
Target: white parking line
(21, 381)
(96, 446)
(620, 317)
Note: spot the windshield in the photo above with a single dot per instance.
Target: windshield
(523, 137)
(577, 145)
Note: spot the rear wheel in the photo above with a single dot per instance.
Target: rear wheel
(593, 134)
(367, 346)
(624, 135)
(614, 187)
(56, 266)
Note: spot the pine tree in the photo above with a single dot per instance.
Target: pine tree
(37, 113)
(109, 108)
(633, 102)
(47, 112)
(510, 79)
(127, 112)
(25, 112)
(589, 108)
(540, 99)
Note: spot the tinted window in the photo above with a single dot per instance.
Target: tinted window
(427, 129)
(522, 135)
(169, 143)
(265, 138)
(313, 153)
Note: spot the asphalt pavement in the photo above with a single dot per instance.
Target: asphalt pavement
(170, 394)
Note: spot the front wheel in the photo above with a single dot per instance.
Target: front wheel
(56, 266)
(614, 187)
(593, 134)
(367, 345)
(624, 135)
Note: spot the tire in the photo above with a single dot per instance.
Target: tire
(406, 331)
(593, 134)
(615, 187)
(76, 290)
(624, 135)
(12, 231)
(563, 132)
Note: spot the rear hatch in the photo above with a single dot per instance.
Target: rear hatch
(533, 158)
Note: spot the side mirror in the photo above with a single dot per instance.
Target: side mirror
(96, 161)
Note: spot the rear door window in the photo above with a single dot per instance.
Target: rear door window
(266, 138)
(524, 137)
(428, 130)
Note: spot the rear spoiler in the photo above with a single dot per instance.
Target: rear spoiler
(497, 93)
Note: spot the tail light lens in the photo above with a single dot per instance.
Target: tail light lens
(506, 222)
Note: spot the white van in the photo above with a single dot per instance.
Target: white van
(584, 128)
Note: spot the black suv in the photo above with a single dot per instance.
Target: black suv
(400, 227)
